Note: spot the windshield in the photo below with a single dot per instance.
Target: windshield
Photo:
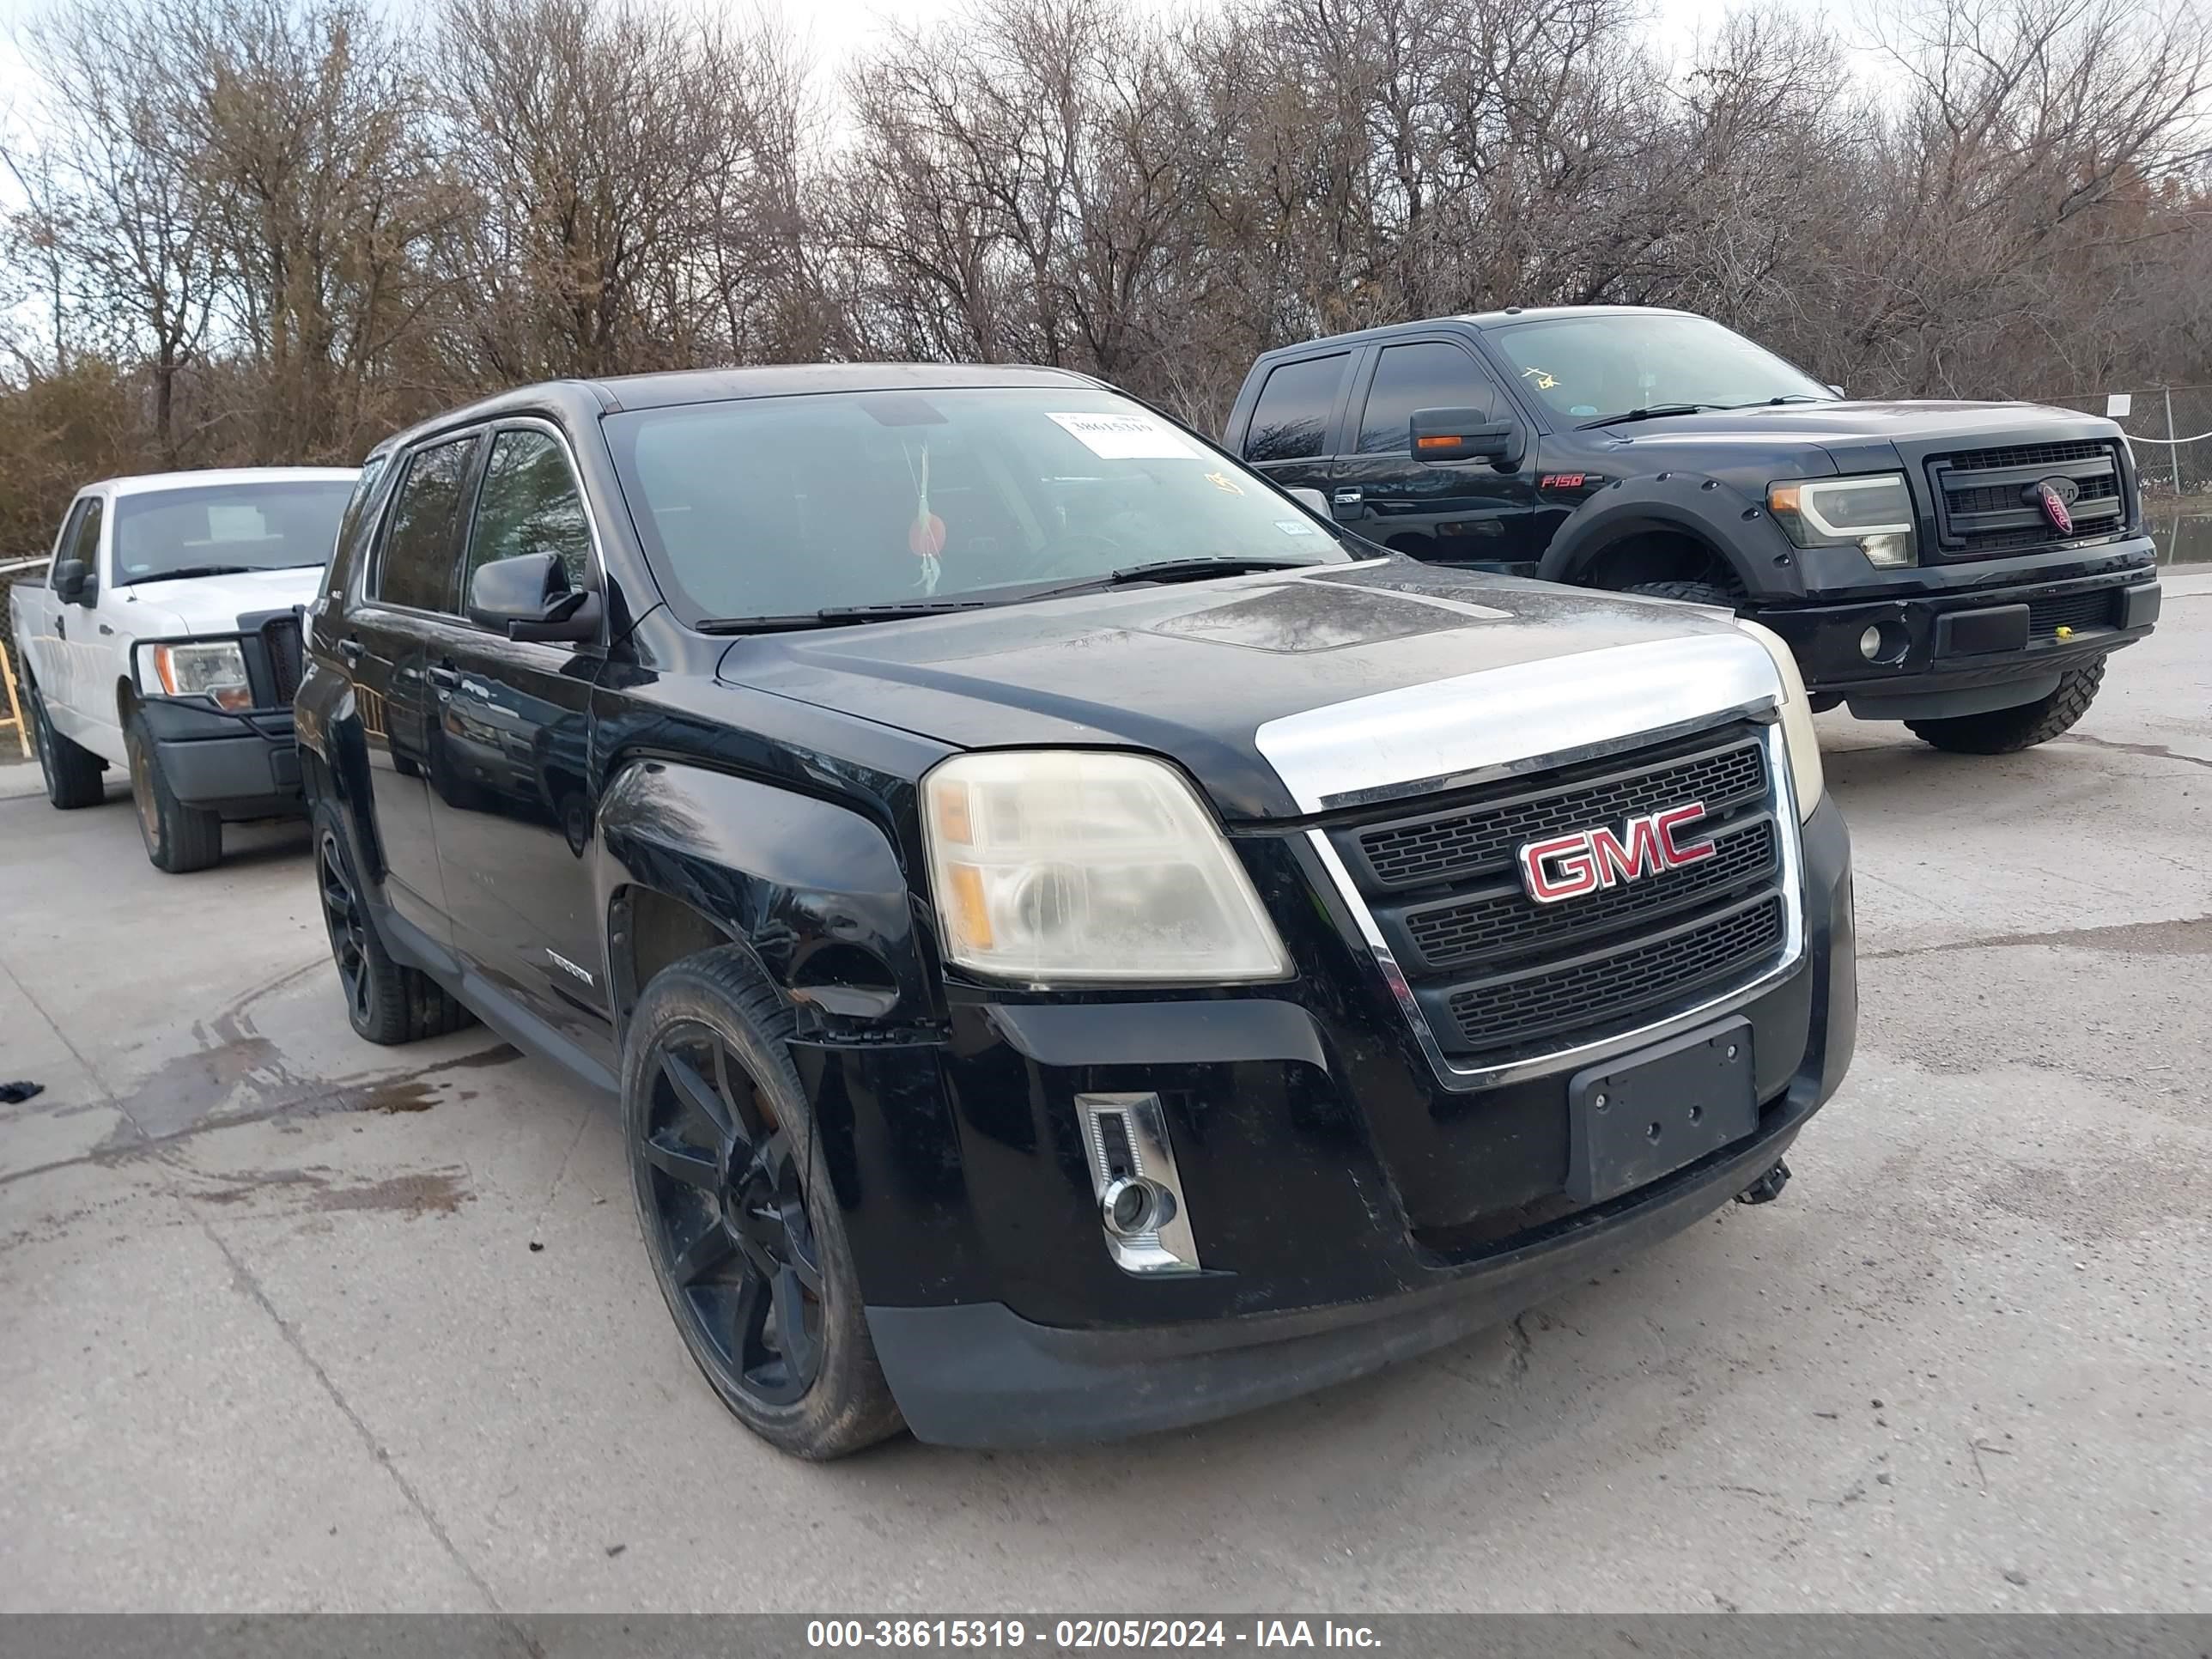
(206, 528)
(1584, 368)
(777, 506)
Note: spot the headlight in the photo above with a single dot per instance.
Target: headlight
(215, 669)
(1873, 514)
(1059, 866)
(1798, 732)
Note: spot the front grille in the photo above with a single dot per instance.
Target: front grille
(1607, 987)
(280, 637)
(1508, 924)
(1440, 848)
(1985, 499)
(2079, 611)
(1498, 977)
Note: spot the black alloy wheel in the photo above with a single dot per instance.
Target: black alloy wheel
(349, 928)
(740, 1215)
(385, 1002)
(728, 1217)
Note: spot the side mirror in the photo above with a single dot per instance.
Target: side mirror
(1312, 499)
(1464, 434)
(529, 597)
(72, 580)
(1838, 390)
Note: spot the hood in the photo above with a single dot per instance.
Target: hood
(1848, 430)
(213, 604)
(1428, 672)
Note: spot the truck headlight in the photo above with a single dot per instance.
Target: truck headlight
(1798, 736)
(1055, 866)
(214, 669)
(1871, 513)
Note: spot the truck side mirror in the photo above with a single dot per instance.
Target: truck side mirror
(529, 597)
(1312, 499)
(1838, 390)
(1464, 434)
(73, 581)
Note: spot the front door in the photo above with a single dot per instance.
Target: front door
(407, 604)
(514, 802)
(57, 658)
(1466, 513)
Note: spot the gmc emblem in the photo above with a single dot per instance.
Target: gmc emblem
(1567, 866)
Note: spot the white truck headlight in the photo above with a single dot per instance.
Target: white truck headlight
(1065, 866)
(1798, 736)
(1872, 512)
(214, 669)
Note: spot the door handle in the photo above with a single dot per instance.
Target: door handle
(105, 628)
(443, 677)
(1347, 498)
(350, 649)
(61, 628)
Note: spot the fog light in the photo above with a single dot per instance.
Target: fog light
(1884, 642)
(1870, 644)
(1139, 1189)
(1133, 1206)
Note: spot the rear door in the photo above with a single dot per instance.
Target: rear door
(513, 808)
(1292, 435)
(1467, 512)
(408, 597)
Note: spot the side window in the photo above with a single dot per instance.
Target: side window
(421, 540)
(80, 539)
(529, 503)
(334, 577)
(1424, 374)
(1291, 418)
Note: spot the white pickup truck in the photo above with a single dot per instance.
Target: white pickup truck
(163, 640)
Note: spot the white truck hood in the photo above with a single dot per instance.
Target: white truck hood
(213, 604)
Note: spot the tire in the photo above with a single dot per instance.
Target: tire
(385, 1002)
(71, 770)
(744, 1235)
(1694, 593)
(178, 839)
(2008, 731)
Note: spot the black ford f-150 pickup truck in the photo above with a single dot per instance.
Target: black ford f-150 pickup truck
(1082, 944)
(1965, 567)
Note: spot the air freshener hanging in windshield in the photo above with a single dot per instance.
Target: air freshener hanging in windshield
(925, 537)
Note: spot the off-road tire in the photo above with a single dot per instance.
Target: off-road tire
(72, 771)
(2008, 731)
(1694, 593)
(178, 839)
(385, 1002)
(846, 1405)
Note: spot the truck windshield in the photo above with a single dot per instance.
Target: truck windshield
(786, 507)
(1583, 368)
(209, 529)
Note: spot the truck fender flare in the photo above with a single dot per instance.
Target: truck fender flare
(1738, 529)
(814, 891)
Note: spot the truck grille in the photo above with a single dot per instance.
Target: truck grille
(1986, 498)
(1498, 976)
(280, 638)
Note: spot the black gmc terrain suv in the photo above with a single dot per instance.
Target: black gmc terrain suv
(1965, 567)
(1082, 944)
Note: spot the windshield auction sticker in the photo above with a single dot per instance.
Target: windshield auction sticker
(1128, 437)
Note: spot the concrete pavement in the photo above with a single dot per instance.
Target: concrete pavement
(288, 1322)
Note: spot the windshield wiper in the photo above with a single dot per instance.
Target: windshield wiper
(1162, 570)
(1172, 570)
(837, 616)
(183, 571)
(1787, 397)
(1652, 413)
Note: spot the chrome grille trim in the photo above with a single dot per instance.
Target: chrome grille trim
(1453, 1076)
